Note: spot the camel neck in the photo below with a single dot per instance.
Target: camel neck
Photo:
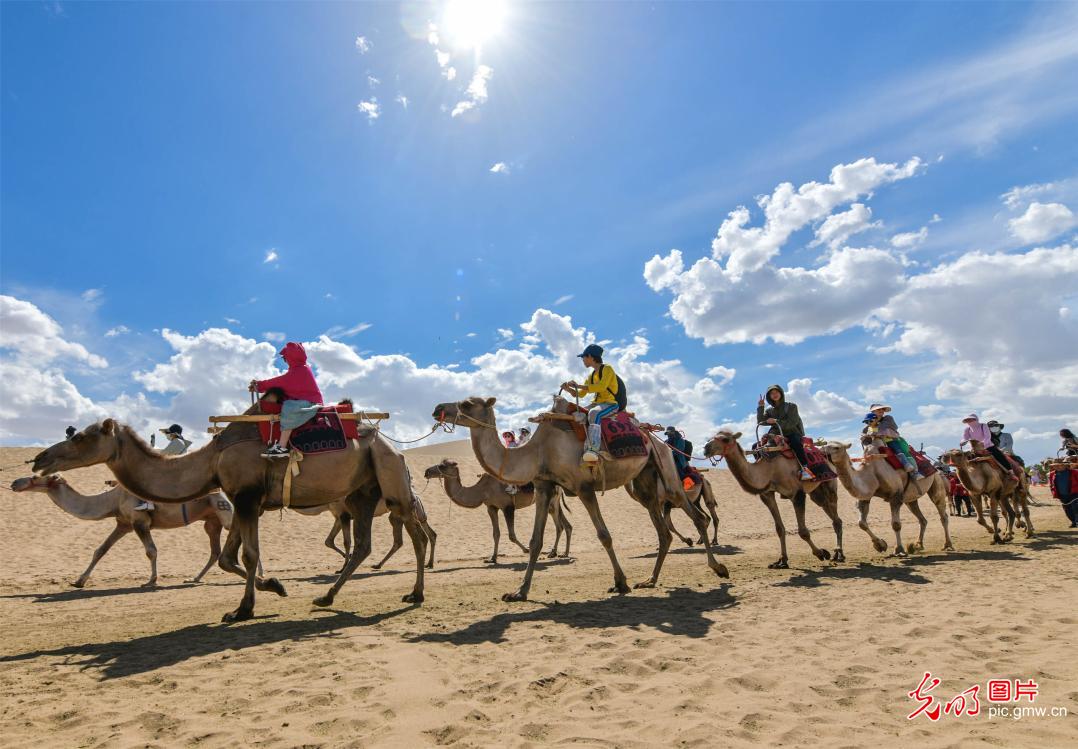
(750, 476)
(465, 496)
(80, 506)
(973, 483)
(146, 473)
(862, 483)
(518, 465)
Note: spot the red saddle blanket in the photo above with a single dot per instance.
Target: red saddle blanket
(623, 438)
(924, 464)
(326, 432)
(1015, 465)
(817, 461)
(1064, 484)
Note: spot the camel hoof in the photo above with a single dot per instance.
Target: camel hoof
(949, 547)
(721, 571)
(899, 554)
(620, 587)
(326, 600)
(838, 556)
(688, 542)
(413, 597)
(644, 584)
(914, 547)
(239, 615)
(822, 554)
(430, 565)
(779, 565)
(515, 597)
(492, 560)
(880, 545)
(273, 585)
(78, 584)
(149, 584)
(552, 555)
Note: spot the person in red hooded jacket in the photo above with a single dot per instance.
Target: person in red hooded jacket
(302, 396)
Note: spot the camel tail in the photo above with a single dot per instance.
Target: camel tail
(564, 504)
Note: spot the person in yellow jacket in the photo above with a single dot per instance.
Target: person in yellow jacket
(603, 384)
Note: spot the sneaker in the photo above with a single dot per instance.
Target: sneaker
(275, 451)
(144, 506)
(917, 475)
(806, 475)
(590, 456)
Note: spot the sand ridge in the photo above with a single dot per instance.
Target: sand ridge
(820, 654)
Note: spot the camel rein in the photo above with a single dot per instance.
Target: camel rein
(449, 429)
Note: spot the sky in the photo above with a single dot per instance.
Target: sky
(861, 202)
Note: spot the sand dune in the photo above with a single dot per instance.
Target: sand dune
(820, 654)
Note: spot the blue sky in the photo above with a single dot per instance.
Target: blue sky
(155, 155)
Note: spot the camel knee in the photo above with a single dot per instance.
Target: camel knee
(604, 537)
(804, 533)
(896, 526)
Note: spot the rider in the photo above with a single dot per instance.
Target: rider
(302, 396)
(603, 384)
(782, 415)
(881, 424)
(177, 445)
(975, 430)
(677, 447)
(1003, 440)
(525, 435)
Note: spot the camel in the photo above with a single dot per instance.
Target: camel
(983, 480)
(342, 524)
(877, 478)
(552, 458)
(490, 492)
(213, 510)
(701, 495)
(369, 470)
(779, 475)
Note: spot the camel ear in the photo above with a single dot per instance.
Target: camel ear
(108, 426)
(737, 435)
(491, 402)
(847, 445)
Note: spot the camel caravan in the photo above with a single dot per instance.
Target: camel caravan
(291, 451)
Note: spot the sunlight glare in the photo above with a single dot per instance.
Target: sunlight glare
(469, 23)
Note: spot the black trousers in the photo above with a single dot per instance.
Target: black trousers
(794, 441)
(1000, 457)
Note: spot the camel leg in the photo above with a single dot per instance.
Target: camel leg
(923, 521)
(827, 499)
(432, 539)
(712, 509)
(669, 523)
(419, 544)
(346, 531)
(978, 506)
(213, 530)
(543, 493)
(510, 514)
(398, 540)
(802, 529)
(1012, 515)
(144, 536)
(877, 543)
(768, 498)
(117, 533)
(556, 516)
(661, 520)
(993, 502)
(896, 526)
(229, 558)
(1023, 504)
(699, 519)
(591, 503)
(939, 499)
(492, 513)
(361, 508)
(245, 522)
(331, 539)
(561, 524)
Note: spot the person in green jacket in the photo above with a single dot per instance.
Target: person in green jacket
(782, 415)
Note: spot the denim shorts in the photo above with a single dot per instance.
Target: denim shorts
(298, 413)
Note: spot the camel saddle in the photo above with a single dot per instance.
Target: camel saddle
(621, 434)
(924, 463)
(1064, 484)
(326, 432)
(775, 444)
(980, 456)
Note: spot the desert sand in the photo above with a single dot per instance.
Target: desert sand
(821, 654)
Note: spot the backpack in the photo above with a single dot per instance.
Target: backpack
(621, 396)
(688, 447)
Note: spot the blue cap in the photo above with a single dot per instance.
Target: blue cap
(868, 418)
(594, 350)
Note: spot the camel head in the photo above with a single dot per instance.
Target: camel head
(446, 469)
(37, 483)
(94, 444)
(721, 444)
(468, 412)
(834, 449)
(954, 457)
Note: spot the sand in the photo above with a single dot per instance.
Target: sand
(821, 654)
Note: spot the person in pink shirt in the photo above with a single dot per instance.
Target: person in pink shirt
(975, 430)
(302, 398)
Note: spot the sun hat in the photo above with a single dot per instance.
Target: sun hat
(175, 429)
(971, 417)
(879, 406)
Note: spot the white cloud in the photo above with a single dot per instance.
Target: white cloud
(910, 239)
(93, 295)
(723, 374)
(339, 331)
(470, 335)
(1018, 197)
(363, 45)
(118, 330)
(273, 335)
(370, 108)
(505, 334)
(500, 168)
(34, 338)
(839, 227)
(232, 321)
(476, 93)
(372, 81)
(402, 100)
(880, 393)
(1042, 221)
(271, 256)
(450, 73)
(563, 299)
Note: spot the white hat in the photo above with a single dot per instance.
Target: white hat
(971, 417)
(878, 407)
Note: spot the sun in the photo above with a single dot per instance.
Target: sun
(471, 23)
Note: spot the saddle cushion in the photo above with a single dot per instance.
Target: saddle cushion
(623, 438)
(1064, 484)
(690, 474)
(817, 461)
(326, 432)
(924, 463)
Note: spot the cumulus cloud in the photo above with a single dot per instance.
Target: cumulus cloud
(564, 298)
(839, 227)
(370, 108)
(500, 168)
(506, 334)
(32, 337)
(273, 335)
(372, 81)
(116, 331)
(363, 45)
(880, 393)
(271, 256)
(476, 93)
(402, 100)
(910, 239)
(1041, 222)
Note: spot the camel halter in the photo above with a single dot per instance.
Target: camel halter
(476, 422)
